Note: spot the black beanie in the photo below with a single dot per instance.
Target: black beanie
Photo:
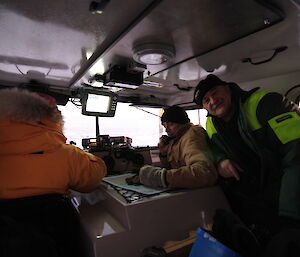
(175, 114)
(205, 85)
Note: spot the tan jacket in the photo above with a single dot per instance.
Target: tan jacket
(189, 160)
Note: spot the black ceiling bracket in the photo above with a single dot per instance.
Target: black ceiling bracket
(276, 51)
(182, 88)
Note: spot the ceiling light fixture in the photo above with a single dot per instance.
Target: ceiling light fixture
(153, 54)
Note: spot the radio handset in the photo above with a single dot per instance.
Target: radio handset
(166, 139)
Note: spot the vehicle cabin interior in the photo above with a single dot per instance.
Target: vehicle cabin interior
(149, 53)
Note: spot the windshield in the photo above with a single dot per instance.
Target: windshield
(141, 124)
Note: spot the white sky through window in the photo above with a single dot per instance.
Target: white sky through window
(142, 127)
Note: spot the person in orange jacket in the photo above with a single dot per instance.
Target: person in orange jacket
(34, 156)
(38, 170)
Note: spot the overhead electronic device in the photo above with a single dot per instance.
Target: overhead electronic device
(99, 103)
(119, 76)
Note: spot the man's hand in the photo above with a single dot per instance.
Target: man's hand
(153, 176)
(229, 169)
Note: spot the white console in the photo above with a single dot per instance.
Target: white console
(121, 229)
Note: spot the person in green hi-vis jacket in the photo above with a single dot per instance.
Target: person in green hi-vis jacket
(255, 137)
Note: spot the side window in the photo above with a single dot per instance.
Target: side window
(198, 116)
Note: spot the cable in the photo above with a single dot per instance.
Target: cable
(146, 111)
(19, 69)
(48, 71)
(76, 102)
(298, 100)
(292, 88)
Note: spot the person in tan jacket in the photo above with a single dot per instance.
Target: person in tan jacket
(186, 161)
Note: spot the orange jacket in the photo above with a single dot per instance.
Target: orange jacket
(34, 160)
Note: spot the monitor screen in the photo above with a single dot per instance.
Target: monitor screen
(98, 103)
(102, 104)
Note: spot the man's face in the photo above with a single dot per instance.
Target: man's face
(172, 128)
(217, 102)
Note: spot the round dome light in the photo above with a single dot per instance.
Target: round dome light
(153, 54)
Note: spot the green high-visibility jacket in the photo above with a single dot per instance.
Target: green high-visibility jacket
(269, 125)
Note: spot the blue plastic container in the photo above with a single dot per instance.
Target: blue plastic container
(207, 246)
